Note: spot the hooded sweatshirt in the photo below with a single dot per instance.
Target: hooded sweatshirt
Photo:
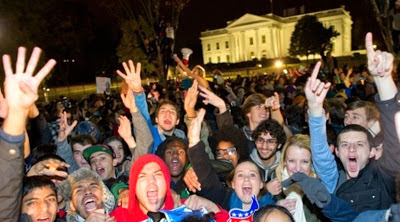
(134, 213)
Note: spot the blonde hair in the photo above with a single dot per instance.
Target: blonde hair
(202, 71)
(300, 140)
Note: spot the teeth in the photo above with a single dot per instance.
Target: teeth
(89, 200)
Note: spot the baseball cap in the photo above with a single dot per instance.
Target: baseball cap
(97, 148)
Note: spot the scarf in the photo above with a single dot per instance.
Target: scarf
(294, 192)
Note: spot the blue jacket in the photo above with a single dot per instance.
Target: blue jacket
(323, 160)
(158, 137)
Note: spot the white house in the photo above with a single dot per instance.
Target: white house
(253, 36)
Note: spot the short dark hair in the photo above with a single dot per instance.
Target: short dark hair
(273, 128)
(356, 128)
(164, 145)
(32, 182)
(337, 111)
(167, 101)
(258, 215)
(82, 139)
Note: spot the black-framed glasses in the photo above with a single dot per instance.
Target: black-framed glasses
(230, 151)
(270, 142)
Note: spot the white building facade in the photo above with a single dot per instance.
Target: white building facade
(268, 36)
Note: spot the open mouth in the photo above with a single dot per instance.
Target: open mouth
(44, 219)
(174, 164)
(100, 171)
(90, 204)
(152, 196)
(167, 122)
(247, 190)
(352, 164)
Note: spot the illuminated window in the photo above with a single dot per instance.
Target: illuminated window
(218, 59)
(217, 45)
(251, 41)
(228, 59)
(208, 47)
(226, 44)
(263, 40)
(209, 60)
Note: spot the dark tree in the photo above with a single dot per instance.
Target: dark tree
(309, 35)
(144, 36)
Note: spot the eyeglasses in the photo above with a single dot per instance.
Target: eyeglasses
(270, 142)
(230, 151)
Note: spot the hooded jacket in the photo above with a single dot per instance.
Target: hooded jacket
(134, 213)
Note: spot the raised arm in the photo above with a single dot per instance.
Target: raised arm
(380, 65)
(199, 79)
(211, 187)
(143, 135)
(323, 160)
(189, 104)
(20, 90)
(222, 115)
(134, 81)
(63, 148)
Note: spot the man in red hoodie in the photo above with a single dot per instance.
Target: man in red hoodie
(150, 192)
(149, 189)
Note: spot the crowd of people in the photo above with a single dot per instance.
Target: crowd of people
(317, 144)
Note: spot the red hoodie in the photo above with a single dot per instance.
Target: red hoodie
(134, 213)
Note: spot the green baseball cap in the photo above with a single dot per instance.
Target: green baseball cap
(97, 148)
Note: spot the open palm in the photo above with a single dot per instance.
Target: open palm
(132, 76)
(21, 87)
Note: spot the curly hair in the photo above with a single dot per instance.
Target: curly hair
(273, 128)
(234, 136)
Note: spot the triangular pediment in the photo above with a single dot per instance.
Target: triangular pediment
(248, 19)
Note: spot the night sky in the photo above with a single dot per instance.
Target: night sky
(201, 15)
(96, 32)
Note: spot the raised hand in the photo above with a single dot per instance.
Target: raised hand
(274, 187)
(3, 106)
(132, 76)
(123, 198)
(191, 99)
(316, 92)
(273, 102)
(129, 101)
(21, 87)
(192, 181)
(194, 128)
(211, 98)
(65, 128)
(125, 131)
(195, 202)
(48, 168)
(379, 63)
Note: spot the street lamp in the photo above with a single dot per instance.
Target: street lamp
(278, 64)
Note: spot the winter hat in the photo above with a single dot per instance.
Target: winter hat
(87, 127)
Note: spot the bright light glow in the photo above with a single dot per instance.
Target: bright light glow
(374, 46)
(285, 71)
(278, 64)
(259, 65)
